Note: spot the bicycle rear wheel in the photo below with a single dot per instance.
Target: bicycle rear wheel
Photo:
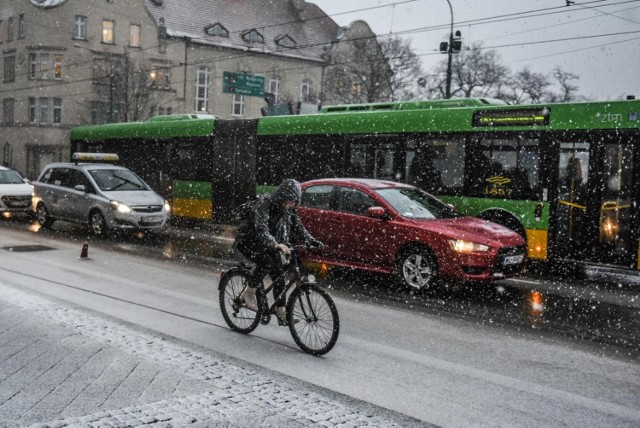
(313, 319)
(234, 312)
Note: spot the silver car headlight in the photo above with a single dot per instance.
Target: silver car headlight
(167, 206)
(467, 247)
(120, 207)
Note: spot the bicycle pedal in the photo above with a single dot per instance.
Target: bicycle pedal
(265, 319)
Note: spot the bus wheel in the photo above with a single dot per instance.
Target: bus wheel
(417, 268)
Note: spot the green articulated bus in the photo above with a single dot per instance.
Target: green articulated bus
(565, 176)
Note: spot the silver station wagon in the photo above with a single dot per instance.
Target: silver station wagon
(101, 195)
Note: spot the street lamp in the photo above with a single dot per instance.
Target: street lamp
(454, 45)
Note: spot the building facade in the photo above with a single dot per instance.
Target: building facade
(75, 62)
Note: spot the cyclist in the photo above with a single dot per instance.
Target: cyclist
(272, 226)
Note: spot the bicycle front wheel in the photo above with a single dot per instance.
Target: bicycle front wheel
(234, 312)
(313, 319)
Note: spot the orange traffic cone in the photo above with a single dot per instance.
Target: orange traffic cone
(85, 251)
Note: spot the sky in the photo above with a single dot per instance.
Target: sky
(598, 40)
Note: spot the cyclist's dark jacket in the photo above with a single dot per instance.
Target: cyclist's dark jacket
(269, 224)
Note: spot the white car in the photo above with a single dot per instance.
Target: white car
(99, 195)
(15, 193)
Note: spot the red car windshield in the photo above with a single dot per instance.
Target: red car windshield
(416, 204)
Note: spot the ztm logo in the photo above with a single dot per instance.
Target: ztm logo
(497, 180)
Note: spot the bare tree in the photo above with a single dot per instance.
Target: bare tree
(124, 91)
(527, 86)
(405, 67)
(479, 73)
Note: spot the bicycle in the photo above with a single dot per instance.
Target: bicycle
(311, 314)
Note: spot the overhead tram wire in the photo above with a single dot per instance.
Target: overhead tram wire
(422, 29)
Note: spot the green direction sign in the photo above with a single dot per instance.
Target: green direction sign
(242, 84)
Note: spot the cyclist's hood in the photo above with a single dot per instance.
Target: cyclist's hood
(289, 190)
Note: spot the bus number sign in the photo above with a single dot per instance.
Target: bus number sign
(242, 84)
(515, 117)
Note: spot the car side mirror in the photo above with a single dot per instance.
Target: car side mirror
(80, 187)
(377, 212)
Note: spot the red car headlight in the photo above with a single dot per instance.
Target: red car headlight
(467, 247)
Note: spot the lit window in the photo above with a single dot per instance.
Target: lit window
(237, 105)
(134, 36)
(80, 27)
(160, 77)
(45, 66)
(202, 89)
(253, 36)
(107, 31)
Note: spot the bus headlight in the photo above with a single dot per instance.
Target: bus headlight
(120, 207)
(466, 247)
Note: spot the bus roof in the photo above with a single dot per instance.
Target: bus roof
(428, 117)
(179, 125)
(413, 105)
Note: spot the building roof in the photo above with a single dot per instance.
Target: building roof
(304, 23)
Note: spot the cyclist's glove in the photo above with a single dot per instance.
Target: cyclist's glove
(315, 244)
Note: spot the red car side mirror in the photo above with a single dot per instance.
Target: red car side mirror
(377, 212)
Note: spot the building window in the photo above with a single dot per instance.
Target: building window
(10, 68)
(33, 112)
(7, 154)
(134, 35)
(57, 110)
(237, 105)
(286, 41)
(44, 110)
(305, 91)
(216, 30)
(45, 66)
(1, 33)
(107, 31)
(7, 111)
(252, 36)
(10, 29)
(274, 88)
(21, 26)
(99, 112)
(80, 27)
(160, 77)
(202, 89)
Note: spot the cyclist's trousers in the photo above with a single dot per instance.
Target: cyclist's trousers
(267, 262)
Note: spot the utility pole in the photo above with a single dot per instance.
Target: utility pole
(453, 46)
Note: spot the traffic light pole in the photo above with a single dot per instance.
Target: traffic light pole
(450, 55)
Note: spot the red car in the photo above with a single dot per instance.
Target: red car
(390, 227)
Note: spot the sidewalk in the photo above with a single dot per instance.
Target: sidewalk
(66, 367)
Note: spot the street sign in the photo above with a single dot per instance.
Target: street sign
(242, 84)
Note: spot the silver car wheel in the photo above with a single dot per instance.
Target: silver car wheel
(418, 269)
(97, 223)
(42, 215)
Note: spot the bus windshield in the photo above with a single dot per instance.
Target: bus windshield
(415, 204)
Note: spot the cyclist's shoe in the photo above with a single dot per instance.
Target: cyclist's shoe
(249, 297)
(281, 315)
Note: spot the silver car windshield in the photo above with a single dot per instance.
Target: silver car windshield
(415, 204)
(117, 179)
(10, 177)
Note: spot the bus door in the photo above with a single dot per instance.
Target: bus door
(595, 203)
